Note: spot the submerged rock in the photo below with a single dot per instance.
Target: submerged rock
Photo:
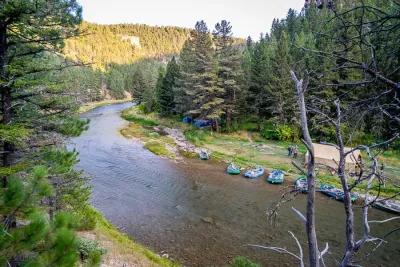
(207, 220)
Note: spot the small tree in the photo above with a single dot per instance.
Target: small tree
(165, 93)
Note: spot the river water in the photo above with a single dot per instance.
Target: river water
(197, 214)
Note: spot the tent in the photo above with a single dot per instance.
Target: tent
(329, 156)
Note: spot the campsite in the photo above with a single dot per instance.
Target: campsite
(174, 133)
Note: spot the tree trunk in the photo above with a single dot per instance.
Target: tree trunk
(349, 252)
(5, 97)
(313, 251)
(228, 119)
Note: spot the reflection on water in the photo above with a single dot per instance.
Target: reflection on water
(196, 213)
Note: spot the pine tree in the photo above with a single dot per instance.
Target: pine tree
(282, 103)
(259, 69)
(182, 100)
(138, 85)
(228, 71)
(206, 96)
(165, 93)
(33, 107)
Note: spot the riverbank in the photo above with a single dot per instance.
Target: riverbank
(91, 105)
(170, 138)
(120, 250)
(193, 211)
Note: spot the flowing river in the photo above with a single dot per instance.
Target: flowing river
(196, 213)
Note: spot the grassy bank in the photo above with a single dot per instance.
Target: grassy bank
(120, 249)
(243, 147)
(89, 106)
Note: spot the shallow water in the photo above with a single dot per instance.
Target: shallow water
(196, 213)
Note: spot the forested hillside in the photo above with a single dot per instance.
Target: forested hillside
(101, 45)
(253, 88)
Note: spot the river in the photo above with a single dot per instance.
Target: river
(196, 213)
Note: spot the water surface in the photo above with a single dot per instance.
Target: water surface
(196, 213)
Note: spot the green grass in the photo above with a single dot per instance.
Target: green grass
(158, 148)
(140, 121)
(122, 240)
(197, 137)
(240, 261)
(248, 148)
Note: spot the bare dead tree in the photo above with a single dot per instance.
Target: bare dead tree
(313, 251)
(353, 245)
(299, 257)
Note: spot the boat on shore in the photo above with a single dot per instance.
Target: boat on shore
(275, 177)
(233, 169)
(387, 205)
(301, 184)
(204, 154)
(254, 172)
(335, 193)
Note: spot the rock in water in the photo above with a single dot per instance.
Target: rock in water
(207, 220)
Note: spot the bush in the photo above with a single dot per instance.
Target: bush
(287, 133)
(280, 132)
(249, 124)
(90, 252)
(154, 135)
(243, 262)
(195, 136)
(86, 218)
(268, 131)
(142, 108)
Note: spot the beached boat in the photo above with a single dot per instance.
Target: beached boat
(254, 172)
(335, 193)
(204, 155)
(387, 205)
(301, 184)
(233, 169)
(275, 177)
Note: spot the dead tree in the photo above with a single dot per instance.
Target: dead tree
(313, 251)
(353, 245)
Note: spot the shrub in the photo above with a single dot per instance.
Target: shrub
(268, 131)
(86, 218)
(142, 108)
(90, 252)
(154, 135)
(249, 124)
(281, 132)
(286, 132)
(243, 262)
(195, 136)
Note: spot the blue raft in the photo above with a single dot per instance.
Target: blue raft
(254, 173)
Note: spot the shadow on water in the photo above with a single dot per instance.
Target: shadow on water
(196, 213)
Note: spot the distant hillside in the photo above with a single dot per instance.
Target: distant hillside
(124, 43)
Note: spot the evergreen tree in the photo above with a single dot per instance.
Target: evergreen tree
(259, 70)
(228, 70)
(165, 93)
(206, 96)
(281, 98)
(139, 85)
(186, 66)
(33, 108)
(159, 87)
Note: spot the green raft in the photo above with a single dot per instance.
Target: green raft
(233, 169)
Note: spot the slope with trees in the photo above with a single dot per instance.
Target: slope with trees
(42, 198)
